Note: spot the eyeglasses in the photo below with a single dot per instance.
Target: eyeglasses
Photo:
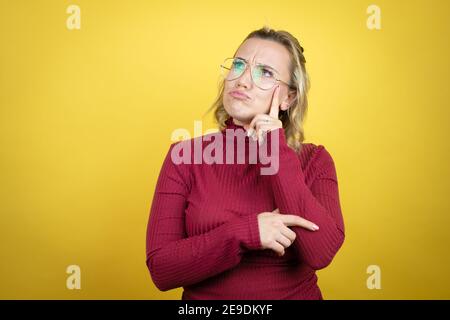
(263, 76)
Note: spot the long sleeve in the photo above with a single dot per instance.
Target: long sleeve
(319, 204)
(175, 260)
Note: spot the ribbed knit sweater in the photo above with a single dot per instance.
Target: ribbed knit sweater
(203, 232)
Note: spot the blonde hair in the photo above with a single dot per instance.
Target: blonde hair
(293, 117)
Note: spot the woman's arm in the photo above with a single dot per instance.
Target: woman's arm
(318, 204)
(175, 260)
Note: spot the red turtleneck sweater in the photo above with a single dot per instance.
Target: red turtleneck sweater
(203, 233)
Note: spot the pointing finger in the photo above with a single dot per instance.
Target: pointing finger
(275, 107)
(296, 221)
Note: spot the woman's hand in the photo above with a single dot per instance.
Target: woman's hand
(262, 123)
(274, 232)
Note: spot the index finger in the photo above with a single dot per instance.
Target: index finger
(296, 221)
(275, 106)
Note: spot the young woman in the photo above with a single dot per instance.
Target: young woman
(226, 231)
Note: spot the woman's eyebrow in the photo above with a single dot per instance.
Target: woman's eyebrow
(262, 64)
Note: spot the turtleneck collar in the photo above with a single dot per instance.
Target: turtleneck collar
(231, 125)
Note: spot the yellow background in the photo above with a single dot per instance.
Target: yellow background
(86, 119)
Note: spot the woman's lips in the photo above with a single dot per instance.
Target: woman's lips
(239, 95)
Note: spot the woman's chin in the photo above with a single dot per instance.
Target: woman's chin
(239, 110)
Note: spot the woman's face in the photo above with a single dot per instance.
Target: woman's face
(256, 51)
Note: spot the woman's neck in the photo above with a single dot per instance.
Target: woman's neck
(240, 123)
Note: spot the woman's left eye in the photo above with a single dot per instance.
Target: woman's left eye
(267, 73)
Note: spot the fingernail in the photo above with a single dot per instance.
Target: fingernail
(315, 227)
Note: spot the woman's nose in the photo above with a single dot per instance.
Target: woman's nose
(246, 78)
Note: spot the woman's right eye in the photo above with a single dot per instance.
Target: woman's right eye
(238, 64)
(267, 73)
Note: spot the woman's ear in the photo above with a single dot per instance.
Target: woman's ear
(289, 100)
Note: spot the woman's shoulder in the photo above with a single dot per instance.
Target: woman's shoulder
(316, 155)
